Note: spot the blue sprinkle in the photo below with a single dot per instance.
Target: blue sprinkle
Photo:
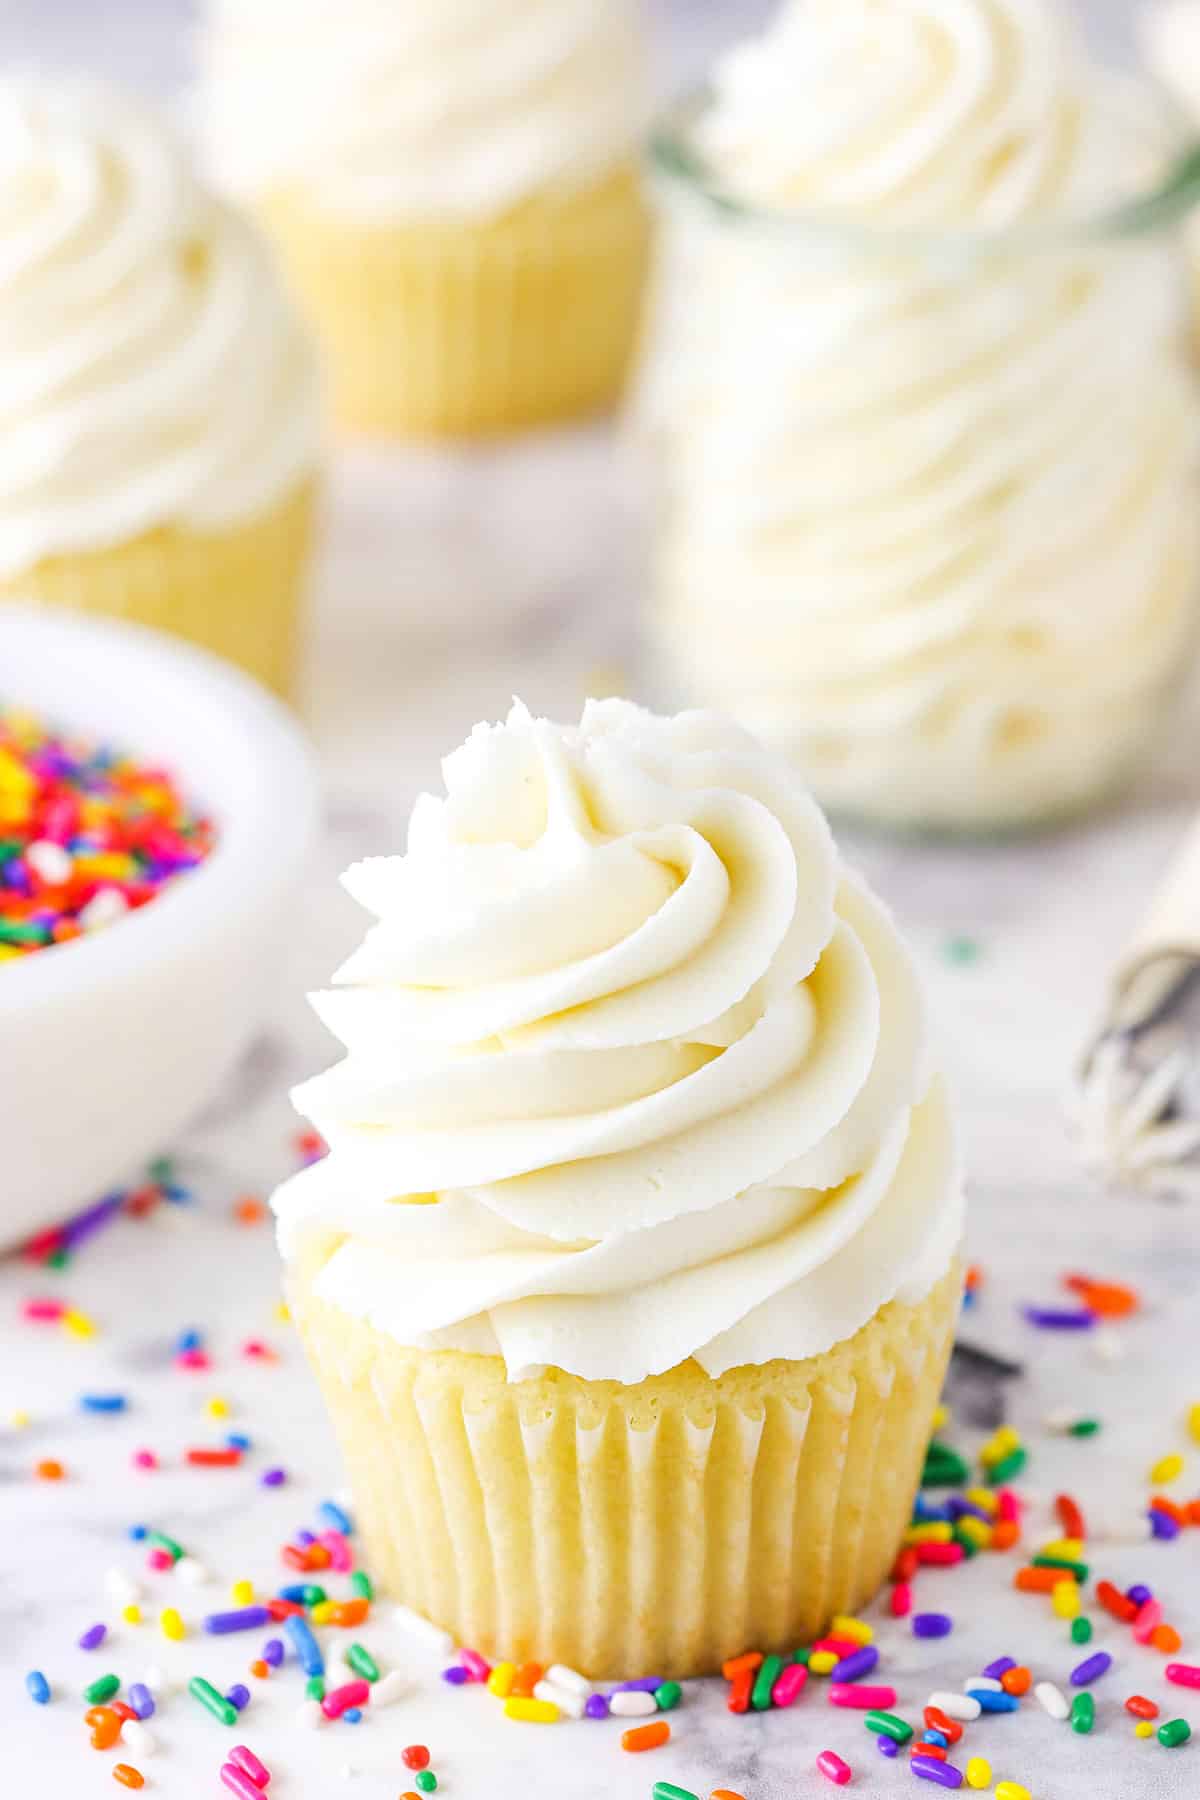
(189, 1340)
(138, 1532)
(935, 1737)
(141, 1700)
(926, 1512)
(331, 1514)
(103, 1403)
(352, 1715)
(990, 1701)
(295, 1592)
(237, 1440)
(37, 1687)
(308, 1652)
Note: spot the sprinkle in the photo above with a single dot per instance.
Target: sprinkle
(1059, 1318)
(932, 1625)
(238, 1695)
(597, 1706)
(1011, 1790)
(248, 1618)
(943, 1773)
(417, 1626)
(666, 1790)
(106, 1727)
(117, 1403)
(1083, 1713)
(863, 1699)
(646, 1737)
(426, 1780)
(751, 1659)
(1173, 1733)
(172, 1625)
(1091, 1669)
(141, 1741)
(901, 1600)
(979, 1773)
(1016, 1681)
(531, 1711)
(362, 1662)
(1149, 1616)
(833, 1768)
(211, 1700)
(201, 1458)
(886, 1724)
(956, 1706)
(128, 1776)
(1167, 1468)
(947, 1728)
(93, 1637)
(631, 1704)
(49, 1469)
(416, 1756)
(844, 1626)
(308, 1651)
(1143, 1729)
(1140, 1707)
(500, 1681)
(239, 1783)
(37, 1687)
(789, 1686)
(342, 1699)
(1166, 1639)
(244, 1758)
(850, 1668)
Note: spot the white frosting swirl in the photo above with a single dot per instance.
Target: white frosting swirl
(930, 518)
(151, 370)
(655, 1058)
(385, 110)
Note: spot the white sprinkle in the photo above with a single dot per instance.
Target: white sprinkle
(631, 1705)
(568, 1700)
(1061, 1419)
(1052, 1699)
(50, 862)
(191, 1572)
(983, 1684)
(956, 1706)
(141, 1741)
(562, 1677)
(388, 1689)
(415, 1623)
(105, 907)
(310, 1714)
(121, 1588)
(1106, 1345)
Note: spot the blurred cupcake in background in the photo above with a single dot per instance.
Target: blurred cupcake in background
(454, 190)
(159, 398)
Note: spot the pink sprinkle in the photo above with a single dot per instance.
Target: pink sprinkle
(256, 1347)
(146, 1459)
(941, 1556)
(837, 1646)
(341, 1557)
(43, 1309)
(862, 1699)
(789, 1685)
(239, 1783)
(193, 1359)
(901, 1600)
(476, 1666)
(1149, 1615)
(1008, 1506)
(833, 1768)
(160, 1559)
(354, 1693)
(246, 1759)
(1183, 1674)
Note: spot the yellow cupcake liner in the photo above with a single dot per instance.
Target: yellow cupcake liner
(625, 1531)
(465, 329)
(237, 592)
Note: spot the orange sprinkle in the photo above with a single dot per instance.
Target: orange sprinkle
(1016, 1681)
(317, 1556)
(249, 1210)
(1172, 1508)
(1165, 1638)
(1109, 1298)
(973, 1279)
(1192, 1509)
(646, 1737)
(752, 1659)
(1005, 1533)
(106, 1730)
(128, 1777)
(1037, 1581)
(349, 1612)
(726, 1794)
(409, 1795)
(526, 1679)
(260, 1669)
(49, 1470)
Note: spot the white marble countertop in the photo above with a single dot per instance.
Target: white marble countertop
(446, 590)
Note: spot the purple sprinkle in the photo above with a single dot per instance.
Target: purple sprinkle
(238, 1696)
(305, 1538)
(273, 1477)
(1060, 1318)
(456, 1676)
(1163, 1525)
(645, 1685)
(596, 1706)
(246, 1618)
(958, 1508)
(859, 1662)
(887, 1746)
(85, 1223)
(932, 1625)
(1091, 1669)
(1139, 1594)
(141, 1700)
(944, 1774)
(1000, 1667)
(93, 1637)
(273, 1652)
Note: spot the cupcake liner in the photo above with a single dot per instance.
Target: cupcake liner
(624, 1531)
(468, 329)
(237, 592)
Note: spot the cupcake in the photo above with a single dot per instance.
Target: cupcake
(160, 412)
(454, 191)
(631, 1275)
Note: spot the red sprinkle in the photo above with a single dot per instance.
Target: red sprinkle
(213, 1459)
(415, 1756)
(1069, 1517)
(1140, 1707)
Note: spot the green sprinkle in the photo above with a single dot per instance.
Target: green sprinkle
(1081, 1630)
(13, 933)
(163, 1542)
(1078, 1569)
(426, 1780)
(764, 1681)
(1084, 1428)
(1174, 1732)
(58, 1259)
(360, 1584)
(961, 950)
(666, 1790)
(313, 1595)
(886, 1724)
(969, 1547)
(314, 1687)
(668, 1696)
(1083, 1713)
(362, 1662)
(102, 1689)
(216, 1704)
(162, 1169)
(1007, 1467)
(801, 1656)
(944, 1467)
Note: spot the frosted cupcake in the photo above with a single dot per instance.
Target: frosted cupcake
(454, 191)
(631, 1275)
(158, 396)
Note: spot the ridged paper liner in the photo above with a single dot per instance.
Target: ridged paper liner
(655, 1529)
(470, 329)
(238, 592)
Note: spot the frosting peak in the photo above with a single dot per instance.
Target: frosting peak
(656, 1057)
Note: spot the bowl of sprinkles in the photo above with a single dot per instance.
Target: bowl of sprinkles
(156, 811)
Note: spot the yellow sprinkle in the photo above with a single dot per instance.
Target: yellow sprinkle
(217, 1408)
(936, 1532)
(821, 1662)
(975, 1529)
(533, 1712)
(858, 1629)
(77, 1324)
(1194, 1421)
(242, 1593)
(979, 1772)
(283, 1312)
(323, 1612)
(1001, 1444)
(131, 1614)
(1167, 1468)
(941, 1418)
(500, 1681)
(1144, 1728)
(18, 1420)
(1011, 1790)
(1064, 1597)
(172, 1625)
(1071, 1549)
(983, 1497)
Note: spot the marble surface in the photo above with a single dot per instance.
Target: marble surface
(449, 583)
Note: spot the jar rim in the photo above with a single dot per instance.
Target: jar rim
(676, 160)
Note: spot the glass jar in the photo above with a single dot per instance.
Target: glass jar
(930, 518)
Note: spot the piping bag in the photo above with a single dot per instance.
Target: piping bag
(1137, 1105)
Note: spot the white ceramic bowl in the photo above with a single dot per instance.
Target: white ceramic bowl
(108, 1043)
